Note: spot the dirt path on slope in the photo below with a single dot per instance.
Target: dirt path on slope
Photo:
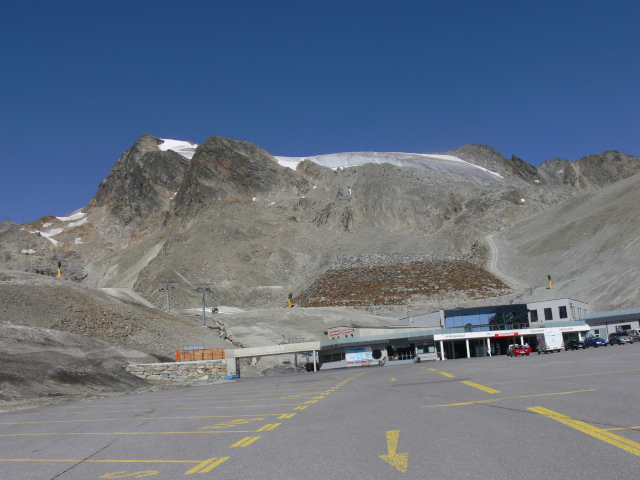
(492, 265)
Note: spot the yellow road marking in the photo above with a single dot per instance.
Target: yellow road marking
(446, 374)
(233, 423)
(622, 428)
(599, 433)
(172, 409)
(206, 466)
(301, 408)
(268, 426)
(286, 415)
(433, 369)
(128, 419)
(567, 376)
(92, 460)
(508, 398)
(245, 442)
(398, 460)
(481, 387)
(206, 432)
(125, 474)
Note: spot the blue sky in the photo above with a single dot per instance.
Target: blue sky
(81, 81)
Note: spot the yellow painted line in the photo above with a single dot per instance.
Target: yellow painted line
(433, 369)
(599, 433)
(199, 466)
(508, 398)
(268, 426)
(481, 387)
(213, 465)
(128, 419)
(92, 460)
(206, 466)
(172, 409)
(567, 376)
(245, 442)
(301, 408)
(317, 398)
(311, 401)
(622, 428)
(206, 432)
(447, 374)
(286, 415)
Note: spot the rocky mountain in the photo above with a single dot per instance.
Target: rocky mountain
(253, 228)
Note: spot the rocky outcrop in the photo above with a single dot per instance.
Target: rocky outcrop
(142, 181)
(231, 171)
(592, 170)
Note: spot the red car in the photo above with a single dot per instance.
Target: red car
(515, 350)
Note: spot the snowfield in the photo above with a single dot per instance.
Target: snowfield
(426, 161)
(186, 149)
(438, 163)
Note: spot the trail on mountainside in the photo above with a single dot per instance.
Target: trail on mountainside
(492, 265)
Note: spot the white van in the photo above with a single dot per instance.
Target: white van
(550, 341)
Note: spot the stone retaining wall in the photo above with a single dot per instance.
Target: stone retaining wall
(180, 371)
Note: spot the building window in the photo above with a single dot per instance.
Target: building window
(563, 312)
(548, 315)
(534, 315)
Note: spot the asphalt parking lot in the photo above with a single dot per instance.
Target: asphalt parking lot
(573, 414)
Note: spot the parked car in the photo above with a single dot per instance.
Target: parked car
(619, 338)
(574, 344)
(595, 342)
(515, 350)
(635, 334)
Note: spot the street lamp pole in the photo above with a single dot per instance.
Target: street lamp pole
(167, 282)
(203, 289)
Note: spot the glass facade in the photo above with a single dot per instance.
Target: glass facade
(507, 317)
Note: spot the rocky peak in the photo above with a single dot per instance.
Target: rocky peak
(592, 170)
(231, 171)
(142, 181)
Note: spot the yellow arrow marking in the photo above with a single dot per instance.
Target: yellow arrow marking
(398, 460)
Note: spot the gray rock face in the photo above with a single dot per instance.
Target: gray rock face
(142, 181)
(591, 171)
(228, 171)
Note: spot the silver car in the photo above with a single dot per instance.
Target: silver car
(619, 338)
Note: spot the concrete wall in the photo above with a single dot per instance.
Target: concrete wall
(579, 310)
(180, 372)
(426, 320)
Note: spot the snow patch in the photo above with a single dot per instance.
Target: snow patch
(47, 225)
(186, 149)
(31, 250)
(78, 223)
(50, 234)
(439, 163)
(79, 241)
(75, 216)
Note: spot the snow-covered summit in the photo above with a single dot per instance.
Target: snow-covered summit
(438, 163)
(186, 149)
(427, 161)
